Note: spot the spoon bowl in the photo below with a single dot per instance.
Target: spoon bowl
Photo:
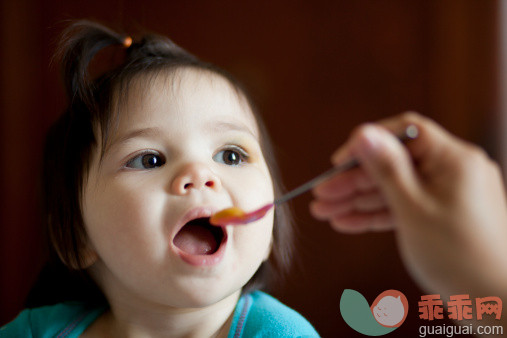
(236, 216)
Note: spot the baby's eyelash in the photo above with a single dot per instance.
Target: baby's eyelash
(239, 149)
(232, 155)
(145, 160)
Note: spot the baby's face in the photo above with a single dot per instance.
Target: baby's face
(187, 146)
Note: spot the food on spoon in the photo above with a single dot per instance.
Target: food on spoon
(236, 216)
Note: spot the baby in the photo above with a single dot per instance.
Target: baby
(144, 154)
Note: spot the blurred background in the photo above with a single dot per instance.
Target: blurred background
(316, 68)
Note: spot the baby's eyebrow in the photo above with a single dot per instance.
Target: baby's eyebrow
(222, 126)
(219, 126)
(150, 131)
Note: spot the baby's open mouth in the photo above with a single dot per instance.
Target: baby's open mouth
(199, 237)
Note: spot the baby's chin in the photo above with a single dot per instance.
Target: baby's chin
(198, 299)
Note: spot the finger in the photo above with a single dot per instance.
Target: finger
(388, 163)
(367, 202)
(342, 154)
(344, 185)
(363, 222)
(324, 210)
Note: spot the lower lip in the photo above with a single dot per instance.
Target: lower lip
(204, 260)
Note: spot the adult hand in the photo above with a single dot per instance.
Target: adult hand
(444, 197)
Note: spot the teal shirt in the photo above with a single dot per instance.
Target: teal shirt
(257, 314)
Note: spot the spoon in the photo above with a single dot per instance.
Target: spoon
(236, 216)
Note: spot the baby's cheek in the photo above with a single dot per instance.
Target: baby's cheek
(253, 241)
(253, 190)
(118, 220)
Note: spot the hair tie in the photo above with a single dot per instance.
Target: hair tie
(127, 42)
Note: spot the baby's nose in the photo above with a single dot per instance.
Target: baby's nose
(194, 176)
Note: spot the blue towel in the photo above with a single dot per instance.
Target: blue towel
(258, 314)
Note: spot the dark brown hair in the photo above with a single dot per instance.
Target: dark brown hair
(72, 139)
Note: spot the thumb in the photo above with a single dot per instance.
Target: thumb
(388, 163)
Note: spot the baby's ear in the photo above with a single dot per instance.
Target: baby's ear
(88, 256)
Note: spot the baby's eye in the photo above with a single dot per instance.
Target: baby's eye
(146, 161)
(231, 156)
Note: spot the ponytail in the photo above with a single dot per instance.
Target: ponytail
(80, 42)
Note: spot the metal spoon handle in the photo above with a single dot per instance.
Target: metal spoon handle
(411, 132)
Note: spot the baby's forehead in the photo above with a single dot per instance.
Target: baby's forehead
(185, 84)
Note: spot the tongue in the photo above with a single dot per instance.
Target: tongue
(196, 240)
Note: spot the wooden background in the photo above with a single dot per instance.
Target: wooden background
(316, 68)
